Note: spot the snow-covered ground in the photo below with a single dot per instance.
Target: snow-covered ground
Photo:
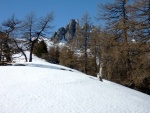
(41, 87)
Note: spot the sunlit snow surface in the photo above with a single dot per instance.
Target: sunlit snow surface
(40, 87)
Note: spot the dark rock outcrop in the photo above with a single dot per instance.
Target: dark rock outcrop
(66, 33)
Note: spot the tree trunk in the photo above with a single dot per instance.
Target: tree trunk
(31, 51)
(85, 55)
(99, 75)
(21, 50)
(24, 56)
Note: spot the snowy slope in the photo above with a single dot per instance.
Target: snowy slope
(40, 87)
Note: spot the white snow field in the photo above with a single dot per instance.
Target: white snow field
(41, 87)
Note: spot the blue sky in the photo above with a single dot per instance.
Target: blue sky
(64, 10)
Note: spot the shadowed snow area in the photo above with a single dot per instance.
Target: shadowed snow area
(41, 87)
(44, 66)
(37, 62)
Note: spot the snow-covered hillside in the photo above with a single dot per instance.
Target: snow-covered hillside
(40, 87)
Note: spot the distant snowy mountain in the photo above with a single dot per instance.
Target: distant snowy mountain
(47, 41)
(51, 43)
(41, 87)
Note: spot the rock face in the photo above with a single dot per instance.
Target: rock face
(61, 33)
(71, 29)
(66, 33)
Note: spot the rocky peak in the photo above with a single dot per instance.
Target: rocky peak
(66, 33)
